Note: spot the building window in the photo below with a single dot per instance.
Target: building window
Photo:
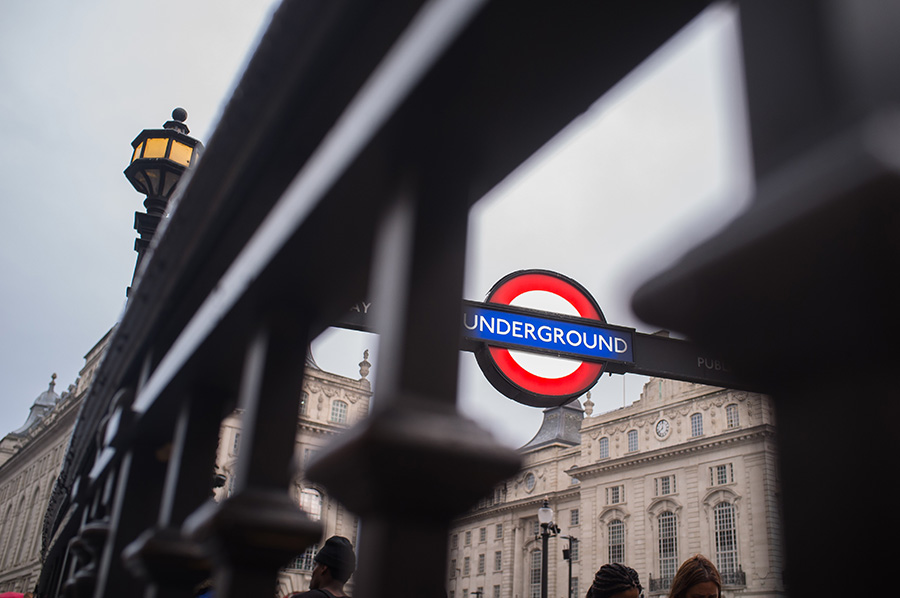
(454, 541)
(467, 566)
(304, 403)
(480, 564)
(721, 474)
(311, 503)
(499, 533)
(482, 534)
(697, 424)
(668, 545)
(665, 485)
(468, 540)
(305, 562)
(632, 441)
(535, 577)
(452, 568)
(236, 445)
(726, 540)
(339, 412)
(574, 517)
(498, 561)
(616, 534)
(732, 416)
(615, 495)
(604, 448)
(574, 593)
(573, 549)
(496, 592)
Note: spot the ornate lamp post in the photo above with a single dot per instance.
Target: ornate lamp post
(548, 528)
(159, 159)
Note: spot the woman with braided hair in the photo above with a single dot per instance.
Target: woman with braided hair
(697, 577)
(615, 581)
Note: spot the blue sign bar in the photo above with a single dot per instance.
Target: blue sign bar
(572, 337)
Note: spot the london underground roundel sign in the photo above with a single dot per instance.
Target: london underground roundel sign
(534, 312)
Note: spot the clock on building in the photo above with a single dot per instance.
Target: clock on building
(662, 428)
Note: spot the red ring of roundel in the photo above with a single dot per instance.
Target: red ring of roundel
(573, 384)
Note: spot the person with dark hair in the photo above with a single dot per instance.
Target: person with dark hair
(697, 577)
(335, 563)
(615, 581)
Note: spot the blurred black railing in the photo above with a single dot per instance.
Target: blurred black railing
(344, 166)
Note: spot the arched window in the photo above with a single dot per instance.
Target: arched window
(535, 574)
(339, 412)
(732, 416)
(604, 448)
(632, 441)
(726, 539)
(697, 424)
(616, 534)
(668, 545)
(311, 503)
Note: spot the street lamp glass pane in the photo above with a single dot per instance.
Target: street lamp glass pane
(180, 153)
(545, 515)
(156, 148)
(137, 152)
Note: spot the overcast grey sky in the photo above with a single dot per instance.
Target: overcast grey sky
(658, 164)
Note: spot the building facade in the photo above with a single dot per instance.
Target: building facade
(686, 469)
(30, 460)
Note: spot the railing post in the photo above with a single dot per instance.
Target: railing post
(414, 442)
(164, 555)
(259, 528)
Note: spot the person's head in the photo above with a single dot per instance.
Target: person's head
(697, 577)
(615, 581)
(335, 561)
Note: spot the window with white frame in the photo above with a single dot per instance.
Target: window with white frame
(304, 403)
(668, 544)
(496, 593)
(574, 593)
(452, 567)
(339, 412)
(726, 539)
(480, 564)
(535, 574)
(574, 517)
(697, 424)
(632, 441)
(616, 534)
(498, 560)
(665, 485)
(615, 495)
(467, 566)
(721, 474)
(574, 549)
(305, 561)
(732, 416)
(468, 538)
(604, 448)
(482, 534)
(499, 531)
(311, 503)
(454, 541)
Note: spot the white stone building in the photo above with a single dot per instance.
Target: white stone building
(30, 460)
(686, 469)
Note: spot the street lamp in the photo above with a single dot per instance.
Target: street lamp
(548, 528)
(159, 158)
